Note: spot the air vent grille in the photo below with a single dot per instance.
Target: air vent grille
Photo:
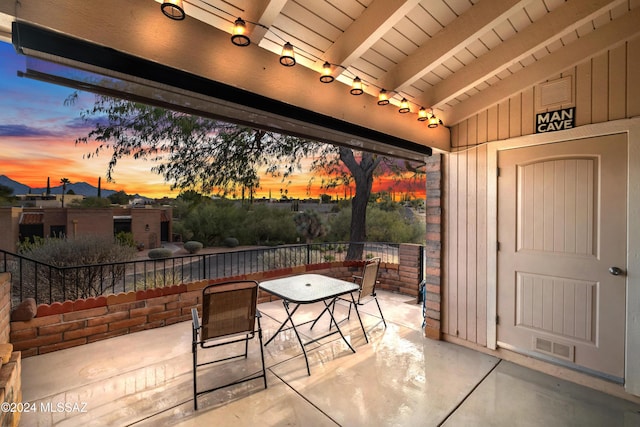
(554, 348)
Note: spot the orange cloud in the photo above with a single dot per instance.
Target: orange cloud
(31, 160)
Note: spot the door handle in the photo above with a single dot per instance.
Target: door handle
(615, 271)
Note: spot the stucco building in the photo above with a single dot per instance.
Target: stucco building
(149, 226)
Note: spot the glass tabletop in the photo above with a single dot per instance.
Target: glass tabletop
(308, 288)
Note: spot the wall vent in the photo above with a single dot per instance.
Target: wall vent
(554, 348)
(554, 94)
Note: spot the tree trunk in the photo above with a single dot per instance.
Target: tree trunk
(358, 231)
(363, 176)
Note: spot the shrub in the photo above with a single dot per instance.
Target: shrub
(274, 259)
(309, 225)
(211, 222)
(91, 202)
(391, 226)
(180, 229)
(151, 280)
(83, 251)
(382, 226)
(125, 239)
(160, 253)
(192, 246)
(230, 242)
(267, 225)
(339, 226)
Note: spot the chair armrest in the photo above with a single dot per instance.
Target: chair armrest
(194, 318)
(259, 316)
(355, 278)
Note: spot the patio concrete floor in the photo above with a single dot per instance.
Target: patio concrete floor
(398, 379)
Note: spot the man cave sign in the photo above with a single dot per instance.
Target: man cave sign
(556, 120)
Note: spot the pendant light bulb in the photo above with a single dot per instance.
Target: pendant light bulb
(383, 97)
(356, 87)
(404, 106)
(326, 76)
(288, 58)
(239, 36)
(434, 121)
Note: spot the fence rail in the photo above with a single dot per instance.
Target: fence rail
(47, 283)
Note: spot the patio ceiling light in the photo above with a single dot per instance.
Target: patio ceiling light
(422, 114)
(356, 87)
(173, 9)
(434, 121)
(239, 37)
(383, 97)
(404, 106)
(326, 76)
(287, 58)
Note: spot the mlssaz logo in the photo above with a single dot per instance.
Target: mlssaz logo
(556, 120)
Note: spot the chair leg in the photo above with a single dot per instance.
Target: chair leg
(194, 350)
(380, 310)
(264, 371)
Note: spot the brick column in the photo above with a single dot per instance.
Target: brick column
(409, 269)
(10, 361)
(433, 246)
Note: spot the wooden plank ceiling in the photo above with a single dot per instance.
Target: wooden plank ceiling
(456, 57)
(453, 57)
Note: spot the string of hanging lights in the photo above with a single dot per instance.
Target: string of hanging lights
(174, 10)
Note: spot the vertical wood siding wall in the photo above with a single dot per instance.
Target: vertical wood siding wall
(605, 88)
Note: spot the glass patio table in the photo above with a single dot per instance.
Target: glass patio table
(309, 289)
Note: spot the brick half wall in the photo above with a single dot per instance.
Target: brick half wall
(63, 325)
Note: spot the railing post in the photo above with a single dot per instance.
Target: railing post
(21, 296)
(308, 253)
(50, 286)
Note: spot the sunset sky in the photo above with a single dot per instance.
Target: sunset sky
(37, 134)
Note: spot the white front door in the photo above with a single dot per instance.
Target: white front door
(561, 229)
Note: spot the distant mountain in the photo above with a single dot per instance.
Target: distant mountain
(15, 185)
(82, 188)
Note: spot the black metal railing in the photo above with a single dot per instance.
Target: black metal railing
(47, 283)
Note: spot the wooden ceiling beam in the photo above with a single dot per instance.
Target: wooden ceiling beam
(593, 44)
(551, 27)
(469, 26)
(267, 12)
(375, 21)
